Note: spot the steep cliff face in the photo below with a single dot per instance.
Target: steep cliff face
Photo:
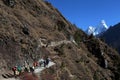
(34, 28)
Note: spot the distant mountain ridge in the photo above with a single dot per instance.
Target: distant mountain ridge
(112, 37)
(100, 28)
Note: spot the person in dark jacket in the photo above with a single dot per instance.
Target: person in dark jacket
(46, 62)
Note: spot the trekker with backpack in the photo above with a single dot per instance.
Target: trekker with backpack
(19, 69)
(46, 62)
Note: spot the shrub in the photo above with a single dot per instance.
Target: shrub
(62, 65)
(79, 36)
(25, 30)
(61, 25)
(59, 49)
(95, 76)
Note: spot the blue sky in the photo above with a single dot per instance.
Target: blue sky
(86, 13)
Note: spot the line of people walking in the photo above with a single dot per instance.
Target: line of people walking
(43, 62)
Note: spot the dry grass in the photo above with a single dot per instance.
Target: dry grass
(80, 61)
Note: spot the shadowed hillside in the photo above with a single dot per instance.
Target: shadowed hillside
(112, 37)
(31, 29)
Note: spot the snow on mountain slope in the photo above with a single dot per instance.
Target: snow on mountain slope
(91, 30)
(101, 27)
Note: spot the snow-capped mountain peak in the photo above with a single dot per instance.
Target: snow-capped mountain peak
(91, 30)
(101, 27)
(104, 24)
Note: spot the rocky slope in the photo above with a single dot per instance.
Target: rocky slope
(27, 30)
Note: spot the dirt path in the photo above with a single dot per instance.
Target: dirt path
(30, 76)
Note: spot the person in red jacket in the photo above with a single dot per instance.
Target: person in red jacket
(14, 70)
(35, 64)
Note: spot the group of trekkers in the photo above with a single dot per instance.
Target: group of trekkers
(17, 70)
